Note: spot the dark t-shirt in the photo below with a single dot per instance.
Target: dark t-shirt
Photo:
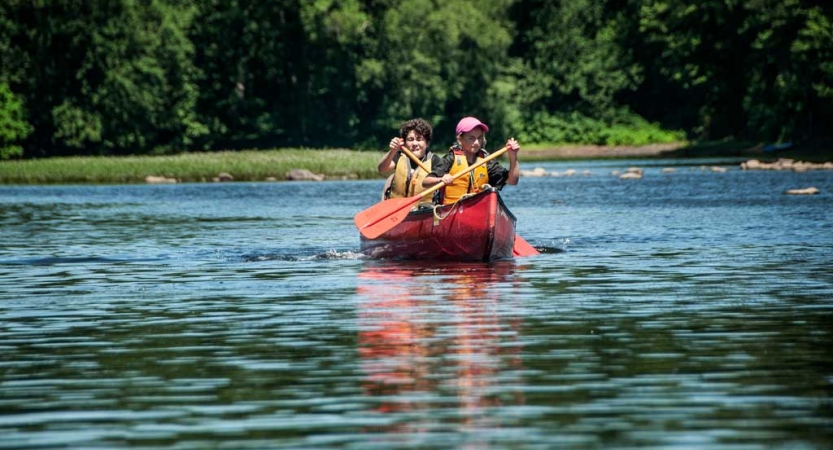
(497, 173)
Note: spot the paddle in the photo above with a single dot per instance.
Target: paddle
(414, 158)
(521, 248)
(382, 217)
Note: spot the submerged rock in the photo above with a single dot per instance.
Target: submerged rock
(806, 191)
(224, 176)
(786, 164)
(153, 179)
(536, 172)
(630, 176)
(631, 173)
(303, 175)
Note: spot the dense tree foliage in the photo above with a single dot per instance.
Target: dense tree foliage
(102, 77)
(160, 76)
(13, 129)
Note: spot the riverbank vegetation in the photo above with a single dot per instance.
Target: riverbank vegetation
(250, 165)
(276, 165)
(164, 77)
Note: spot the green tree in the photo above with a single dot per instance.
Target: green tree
(13, 127)
(337, 32)
(734, 68)
(440, 61)
(577, 68)
(104, 77)
(575, 57)
(327, 73)
(248, 52)
(137, 90)
(278, 73)
(790, 80)
(138, 76)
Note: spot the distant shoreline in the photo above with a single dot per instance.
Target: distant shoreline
(600, 151)
(330, 164)
(821, 151)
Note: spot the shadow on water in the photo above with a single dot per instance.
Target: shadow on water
(225, 255)
(344, 254)
(289, 255)
(549, 250)
(294, 255)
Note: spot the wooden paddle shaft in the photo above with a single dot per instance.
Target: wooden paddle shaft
(414, 158)
(440, 185)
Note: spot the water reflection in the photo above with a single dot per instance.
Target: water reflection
(438, 344)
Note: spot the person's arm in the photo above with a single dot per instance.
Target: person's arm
(439, 172)
(514, 170)
(388, 163)
(499, 175)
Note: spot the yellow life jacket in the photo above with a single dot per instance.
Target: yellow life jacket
(407, 181)
(470, 183)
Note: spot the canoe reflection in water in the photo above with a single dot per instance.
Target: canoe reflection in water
(436, 343)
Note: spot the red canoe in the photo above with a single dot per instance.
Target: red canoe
(477, 228)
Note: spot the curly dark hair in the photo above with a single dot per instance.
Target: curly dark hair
(421, 126)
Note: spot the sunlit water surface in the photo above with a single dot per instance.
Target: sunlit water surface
(691, 309)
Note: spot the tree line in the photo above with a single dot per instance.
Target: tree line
(112, 77)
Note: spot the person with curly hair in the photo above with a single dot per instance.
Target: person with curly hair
(409, 171)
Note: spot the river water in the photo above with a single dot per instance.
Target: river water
(689, 310)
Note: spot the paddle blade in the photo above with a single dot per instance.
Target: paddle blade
(523, 248)
(381, 217)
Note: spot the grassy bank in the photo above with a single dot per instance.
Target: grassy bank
(334, 164)
(191, 167)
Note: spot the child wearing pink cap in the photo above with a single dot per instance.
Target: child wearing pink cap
(469, 148)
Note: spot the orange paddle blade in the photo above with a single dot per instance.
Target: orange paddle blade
(523, 248)
(381, 217)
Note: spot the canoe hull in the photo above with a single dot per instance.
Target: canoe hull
(478, 228)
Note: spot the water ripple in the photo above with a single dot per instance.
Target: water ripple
(686, 312)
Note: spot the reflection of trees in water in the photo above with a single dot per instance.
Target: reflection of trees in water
(432, 337)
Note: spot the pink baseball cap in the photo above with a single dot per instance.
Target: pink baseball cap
(467, 124)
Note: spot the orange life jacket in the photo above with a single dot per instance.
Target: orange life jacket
(407, 181)
(470, 183)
